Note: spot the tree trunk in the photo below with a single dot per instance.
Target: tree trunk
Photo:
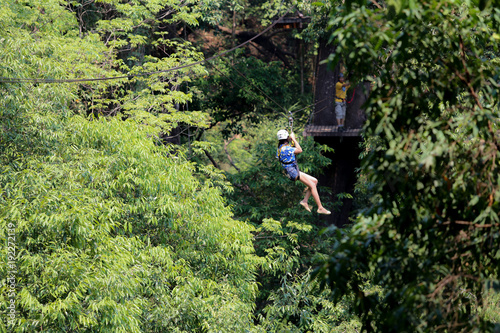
(301, 57)
(355, 116)
(324, 110)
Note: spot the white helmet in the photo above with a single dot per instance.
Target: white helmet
(282, 135)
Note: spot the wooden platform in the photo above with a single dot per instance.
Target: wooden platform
(292, 23)
(314, 130)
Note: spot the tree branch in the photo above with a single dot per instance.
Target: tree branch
(475, 225)
(376, 4)
(263, 41)
(226, 143)
(211, 159)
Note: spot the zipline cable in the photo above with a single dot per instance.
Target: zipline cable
(232, 81)
(253, 85)
(20, 80)
(312, 104)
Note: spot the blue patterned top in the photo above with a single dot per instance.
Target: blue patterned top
(286, 154)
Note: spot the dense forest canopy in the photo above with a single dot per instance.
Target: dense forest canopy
(430, 236)
(139, 189)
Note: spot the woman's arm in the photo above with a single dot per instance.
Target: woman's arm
(298, 148)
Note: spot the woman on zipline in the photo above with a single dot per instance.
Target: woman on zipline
(286, 155)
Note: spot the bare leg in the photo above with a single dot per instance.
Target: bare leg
(307, 195)
(311, 183)
(304, 201)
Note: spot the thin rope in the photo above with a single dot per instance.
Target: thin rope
(315, 112)
(239, 73)
(232, 81)
(129, 76)
(352, 96)
(312, 104)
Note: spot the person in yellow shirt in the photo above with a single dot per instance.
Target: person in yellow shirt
(340, 101)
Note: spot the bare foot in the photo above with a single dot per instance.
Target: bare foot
(305, 205)
(324, 211)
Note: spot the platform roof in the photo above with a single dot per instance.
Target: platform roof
(315, 130)
(292, 22)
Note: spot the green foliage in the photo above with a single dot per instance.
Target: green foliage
(491, 310)
(223, 11)
(245, 93)
(431, 240)
(116, 232)
(318, 12)
(299, 305)
(289, 300)
(113, 232)
(140, 41)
